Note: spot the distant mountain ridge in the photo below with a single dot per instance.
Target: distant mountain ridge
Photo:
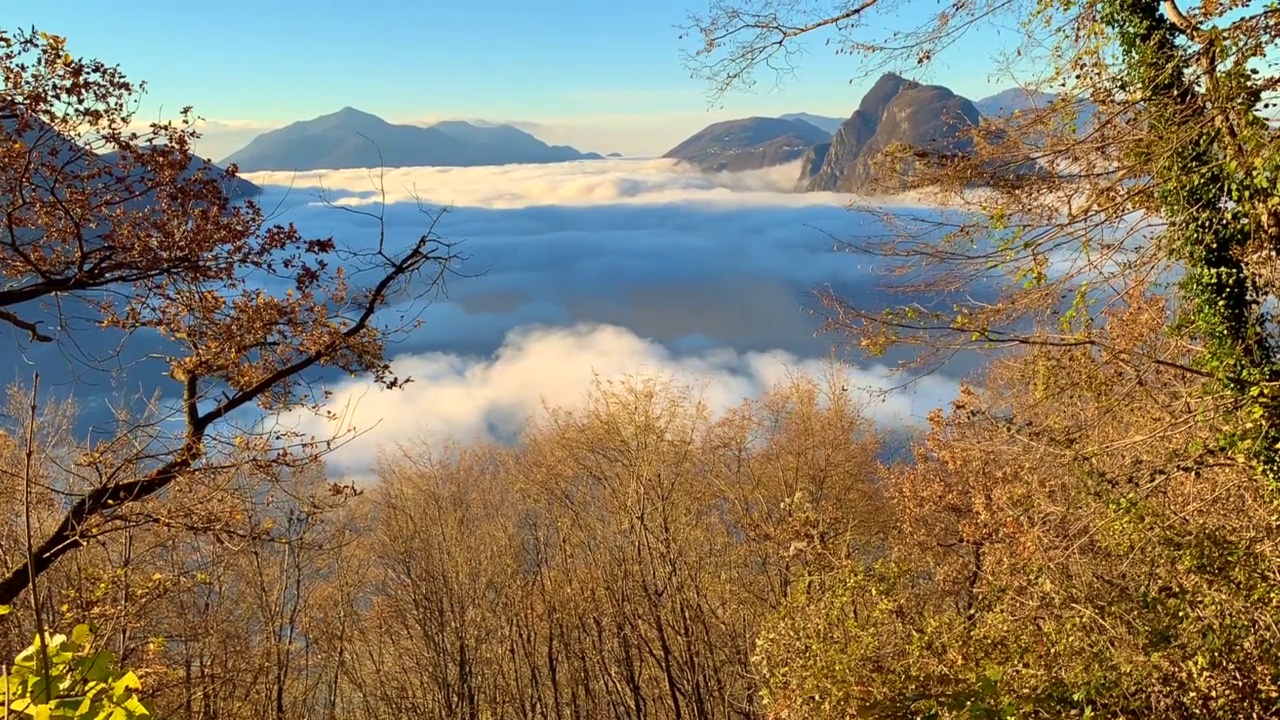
(1013, 100)
(748, 144)
(350, 138)
(827, 124)
(843, 155)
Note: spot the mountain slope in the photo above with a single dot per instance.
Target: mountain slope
(827, 124)
(236, 189)
(1007, 102)
(350, 138)
(1044, 110)
(896, 111)
(748, 144)
(84, 352)
(74, 158)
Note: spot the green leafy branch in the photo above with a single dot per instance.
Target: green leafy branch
(60, 676)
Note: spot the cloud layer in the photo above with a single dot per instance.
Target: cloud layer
(578, 184)
(462, 398)
(602, 268)
(690, 260)
(554, 244)
(609, 267)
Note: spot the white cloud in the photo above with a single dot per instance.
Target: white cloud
(594, 183)
(696, 266)
(685, 258)
(603, 267)
(609, 267)
(612, 181)
(220, 138)
(691, 263)
(455, 397)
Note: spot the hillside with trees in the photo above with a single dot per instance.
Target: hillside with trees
(1090, 530)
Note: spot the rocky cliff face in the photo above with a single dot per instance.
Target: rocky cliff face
(896, 111)
(842, 154)
(812, 161)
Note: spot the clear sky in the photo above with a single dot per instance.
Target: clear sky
(604, 74)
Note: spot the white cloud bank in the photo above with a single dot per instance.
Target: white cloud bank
(689, 259)
(596, 268)
(466, 399)
(584, 183)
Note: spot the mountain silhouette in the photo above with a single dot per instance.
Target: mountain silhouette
(895, 112)
(748, 144)
(1012, 100)
(822, 122)
(351, 138)
(105, 364)
(1067, 114)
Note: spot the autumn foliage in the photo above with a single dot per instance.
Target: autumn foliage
(123, 235)
(1088, 530)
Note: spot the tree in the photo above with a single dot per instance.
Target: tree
(66, 677)
(617, 562)
(1083, 561)
(1170, 182)
(1084, 533)
(245, 313)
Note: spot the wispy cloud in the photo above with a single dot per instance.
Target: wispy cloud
(218, 138)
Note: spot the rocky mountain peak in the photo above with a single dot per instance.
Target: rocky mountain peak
(894, 111)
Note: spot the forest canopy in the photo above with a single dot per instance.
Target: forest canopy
(1089, 530)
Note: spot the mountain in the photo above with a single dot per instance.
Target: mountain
(748, 144)
(1008, 102)
(350, 138)
(1072, 115)
(895, 111)
(508, 140)
(614, 155)
(235, 188)
(828, 124)
(74, 158)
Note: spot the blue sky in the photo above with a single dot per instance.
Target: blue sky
(590, 70)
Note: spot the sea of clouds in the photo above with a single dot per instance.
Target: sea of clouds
(574, 272)
(597, 269)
